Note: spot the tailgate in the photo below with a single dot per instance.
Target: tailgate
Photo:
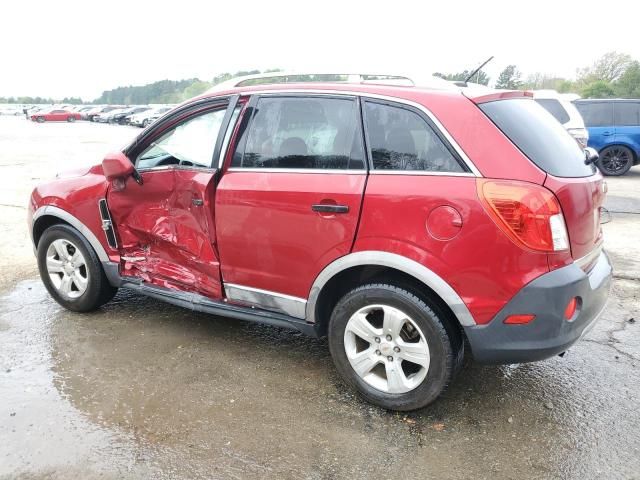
(580, 199)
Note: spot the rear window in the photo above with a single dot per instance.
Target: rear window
(544, 141)
(627, 114)
(555, 108)
(596, 114)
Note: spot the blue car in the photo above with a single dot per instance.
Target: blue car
(614, 131)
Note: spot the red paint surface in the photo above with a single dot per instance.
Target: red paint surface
(56, 117)
(268, 236)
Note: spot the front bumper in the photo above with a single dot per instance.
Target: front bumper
(549, 333)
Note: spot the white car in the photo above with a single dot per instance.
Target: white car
(559, 105)
(10, 111)
(147, 117)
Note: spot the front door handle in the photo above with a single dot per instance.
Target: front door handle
(607, 133)
(328, 208)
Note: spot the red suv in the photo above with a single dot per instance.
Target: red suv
(403, 223)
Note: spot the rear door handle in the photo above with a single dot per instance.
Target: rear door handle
(198, 202)
(327, 208)
(607, 133)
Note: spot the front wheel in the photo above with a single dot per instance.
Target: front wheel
(71, 119)
(71, 271)
(40, 119)
(615, 160)
(392, 346)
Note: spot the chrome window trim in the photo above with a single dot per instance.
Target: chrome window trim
(392, 260)
(365, 95)
(74, 222)
(176, 167)
(422, 172)
(266, 299)
(333, 171)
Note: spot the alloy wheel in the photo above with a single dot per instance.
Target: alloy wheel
(67, 268)
(386, 348)
(615, 159)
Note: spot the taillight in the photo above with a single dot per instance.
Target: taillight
(528, 214)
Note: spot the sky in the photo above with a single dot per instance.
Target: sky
(80, 48)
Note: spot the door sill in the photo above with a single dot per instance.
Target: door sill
(200, 303)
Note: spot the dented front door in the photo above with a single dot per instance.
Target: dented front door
(165, 225)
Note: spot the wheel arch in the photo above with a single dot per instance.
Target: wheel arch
(50, 215)
(356, 268)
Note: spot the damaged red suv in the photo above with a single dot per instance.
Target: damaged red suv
(406, 224)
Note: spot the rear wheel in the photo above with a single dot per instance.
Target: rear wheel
(615, 160)
(391, 346)
(71, 271)
(71, 119)
(145, 123)
(40, 119)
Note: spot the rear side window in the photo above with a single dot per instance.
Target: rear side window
(596, 114)
(544, 141)
(627, 114)
(304, 133)
(555, 108)
(400, 139)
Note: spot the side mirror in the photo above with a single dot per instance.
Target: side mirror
(116, 165)
(590, 156)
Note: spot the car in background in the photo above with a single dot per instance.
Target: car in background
(55, 115)
(91, 116)
(106, 117)
(565, 112)
(145, 118)
(10, 111)
(614, 131)
(122, 117)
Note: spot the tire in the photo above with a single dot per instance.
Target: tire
(615, 160)
(92, 289)
(71, 119)
(145, 123)
(414, 385)
(40, 119)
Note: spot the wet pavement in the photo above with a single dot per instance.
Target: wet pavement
(142, 389)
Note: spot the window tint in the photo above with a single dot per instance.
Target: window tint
(539, 137)
(555, 108)
(627, 114)
(401, 140)
(190, 143)
(303, 133)
(596, 114)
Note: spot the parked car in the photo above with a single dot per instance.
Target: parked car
(144, 119)
(451, 223)
(565, 112)
(614, 131)
(91, 116)
(55, 115)
(10, 111)
(122, 117)
(107, 116)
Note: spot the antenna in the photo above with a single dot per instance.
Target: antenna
(477, 70)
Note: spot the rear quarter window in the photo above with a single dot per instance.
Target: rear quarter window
(544, 141)
(627, 114)
(555, 108)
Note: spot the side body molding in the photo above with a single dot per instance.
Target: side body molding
(74, 222)
(391, 260)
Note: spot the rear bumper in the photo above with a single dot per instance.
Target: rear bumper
(549, 333)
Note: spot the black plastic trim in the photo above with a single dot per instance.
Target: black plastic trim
(200, 303)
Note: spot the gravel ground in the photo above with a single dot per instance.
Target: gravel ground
(141, 389)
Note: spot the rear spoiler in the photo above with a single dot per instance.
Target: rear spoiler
(496, 95)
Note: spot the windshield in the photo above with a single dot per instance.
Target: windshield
(539, 136)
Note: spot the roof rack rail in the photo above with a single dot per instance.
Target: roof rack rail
(269, 78)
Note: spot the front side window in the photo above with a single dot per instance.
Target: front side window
(303, 133)
(400, 139)
(627, 114)
(596, 114)
(191, 143)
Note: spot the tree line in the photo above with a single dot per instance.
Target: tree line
(612, 75)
